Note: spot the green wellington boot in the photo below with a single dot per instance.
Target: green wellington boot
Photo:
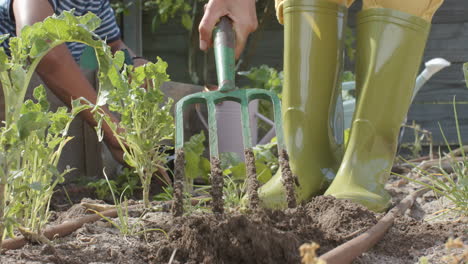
(390, 46)
(313, 53)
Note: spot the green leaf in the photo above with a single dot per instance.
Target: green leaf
(4, 61)
(187, 21)
(39, 48)
(78, 106)
(40, 95)
(30, 122)
(90, 21)
(229, 159)
(194, 149)
(238, 172)
(37, 186)
(263, 172)
(119, 59)
(18, 77)
(59, 121)
(129, 160)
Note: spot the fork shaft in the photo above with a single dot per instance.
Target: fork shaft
(224, 43)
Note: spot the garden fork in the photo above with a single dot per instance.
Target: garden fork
(224, 43)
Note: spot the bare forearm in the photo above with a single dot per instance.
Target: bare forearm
(65, 79)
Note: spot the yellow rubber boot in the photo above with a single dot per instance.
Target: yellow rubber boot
(390, 46)
(313, 54)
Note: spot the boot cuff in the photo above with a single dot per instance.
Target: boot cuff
(395, 17)
(321, 6)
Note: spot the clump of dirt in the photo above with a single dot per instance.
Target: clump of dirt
(235, 239)
(252, 184)
(275, 236)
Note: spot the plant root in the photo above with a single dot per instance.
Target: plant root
(288, 178)
(252, 185)
(352, 249)
(217, 183)
(179, 171)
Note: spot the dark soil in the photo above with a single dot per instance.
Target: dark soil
(179, 175)
(258, 237)
(288, 178)
(217, 183)
(253, 184)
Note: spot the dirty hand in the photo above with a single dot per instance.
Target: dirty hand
(241, 12)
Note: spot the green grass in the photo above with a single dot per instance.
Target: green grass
(453, 183)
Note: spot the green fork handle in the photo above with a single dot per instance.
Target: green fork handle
(224, 44)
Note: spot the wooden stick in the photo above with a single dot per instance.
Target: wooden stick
(352, 249)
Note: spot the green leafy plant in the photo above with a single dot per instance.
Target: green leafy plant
(162, 10)
(125, 183)
(32, 138)
(166, 195)
(101, 187)
(129, 181)
(196, 166)
(42, 136)
(233, 192)
(264, 77)
(146, 121)
(232, 166)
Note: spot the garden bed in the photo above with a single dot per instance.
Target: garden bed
(260, 237)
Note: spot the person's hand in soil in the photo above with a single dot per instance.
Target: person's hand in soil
(241, 12)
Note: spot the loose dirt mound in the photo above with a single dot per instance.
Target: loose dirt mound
(261, 237)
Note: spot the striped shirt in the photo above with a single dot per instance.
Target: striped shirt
(108, 29)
